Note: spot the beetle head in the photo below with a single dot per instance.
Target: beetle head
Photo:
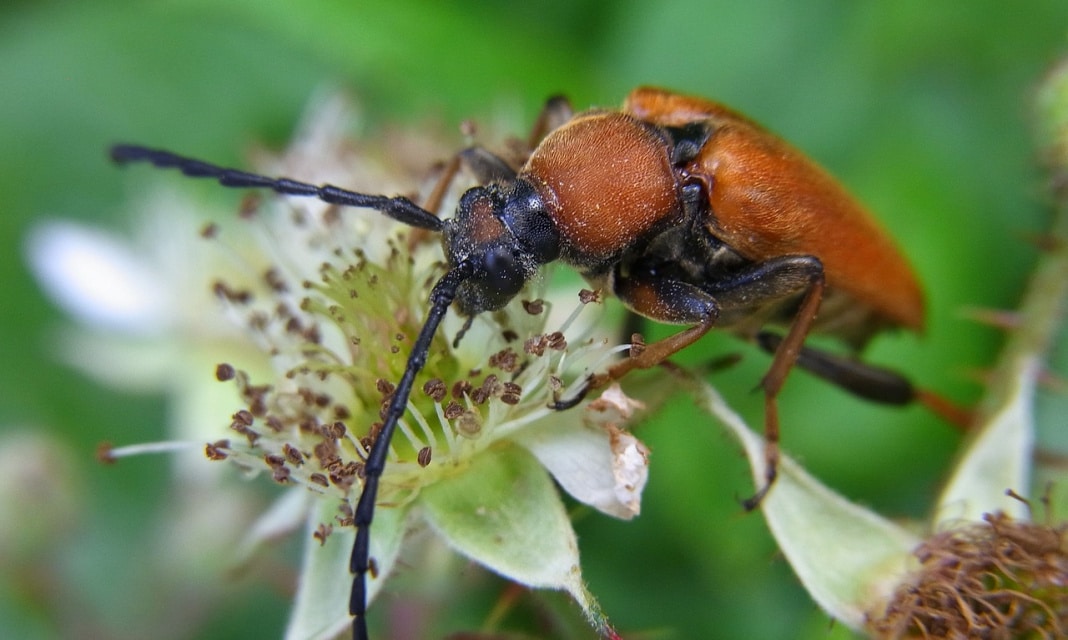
(504, 231)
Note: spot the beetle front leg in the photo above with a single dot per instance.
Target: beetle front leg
(556, 113)
(484, 165)
(663, 300)
(668, 301)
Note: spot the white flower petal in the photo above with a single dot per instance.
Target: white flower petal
(124, 362)
(601, 465)
(997, 459)
(322, 603)
(95, 277)
(284, 516)
(321, 607)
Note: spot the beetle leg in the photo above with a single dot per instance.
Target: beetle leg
(870, 382)
(484, 165)
(556, 112)
(661, 299)
(488, 167)
(664, 300)
(859, 378)
(764, 283)
(441, 187)
(785, 356)
(676, 302)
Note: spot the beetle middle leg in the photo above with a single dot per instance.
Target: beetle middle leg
(785, 357)
(765, 284)
(773, 284)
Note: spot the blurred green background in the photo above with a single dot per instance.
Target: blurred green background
(921, 108)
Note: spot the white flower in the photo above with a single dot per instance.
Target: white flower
(327, 303)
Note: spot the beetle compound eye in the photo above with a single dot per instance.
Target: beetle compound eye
(504, 275)
(525, 215)
(499, 274)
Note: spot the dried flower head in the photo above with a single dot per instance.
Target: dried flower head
(999, 579)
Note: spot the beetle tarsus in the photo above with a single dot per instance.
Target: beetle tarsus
(576, 398)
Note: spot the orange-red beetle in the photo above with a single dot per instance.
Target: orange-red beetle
(688, 212)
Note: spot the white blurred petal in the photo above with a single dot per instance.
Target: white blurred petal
(998, 458)
(287, 514)
(95, 277)
(123, 362)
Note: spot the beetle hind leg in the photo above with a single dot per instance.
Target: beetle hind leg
(859, 378)
(870, 382)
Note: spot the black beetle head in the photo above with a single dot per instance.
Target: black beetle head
(504, 231)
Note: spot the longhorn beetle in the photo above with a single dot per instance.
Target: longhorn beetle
(685, 210)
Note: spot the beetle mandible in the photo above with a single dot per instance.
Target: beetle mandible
(688, 212)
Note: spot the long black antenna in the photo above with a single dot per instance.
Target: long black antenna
(441, 297)
(399, 208)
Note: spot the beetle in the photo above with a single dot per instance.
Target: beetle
(686, 211)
